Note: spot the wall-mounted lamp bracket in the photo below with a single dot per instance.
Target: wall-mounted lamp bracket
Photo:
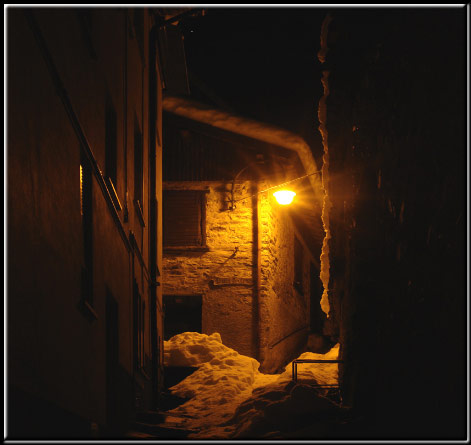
(233, 201)
(176, 18)
(259, 160)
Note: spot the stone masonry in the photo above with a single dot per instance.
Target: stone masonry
(269, 323)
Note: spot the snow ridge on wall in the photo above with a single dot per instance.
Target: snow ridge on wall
(322, 114)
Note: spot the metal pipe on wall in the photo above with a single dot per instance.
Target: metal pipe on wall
(256, 267)
(153, 215)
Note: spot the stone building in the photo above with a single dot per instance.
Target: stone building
(84, 235)
(235, 261)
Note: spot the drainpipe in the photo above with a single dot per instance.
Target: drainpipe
(256, 266)
(153, 268)
(125, 115)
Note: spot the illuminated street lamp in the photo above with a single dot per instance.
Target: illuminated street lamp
(284, 197)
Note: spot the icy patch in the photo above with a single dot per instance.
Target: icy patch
(229, 397)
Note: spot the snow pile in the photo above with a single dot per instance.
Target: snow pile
(224, 378)
(283, 406)
(229, 397)
(322, 373)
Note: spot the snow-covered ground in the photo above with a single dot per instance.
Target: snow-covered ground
(230, 398)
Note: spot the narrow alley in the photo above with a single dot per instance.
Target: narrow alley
(236, 223)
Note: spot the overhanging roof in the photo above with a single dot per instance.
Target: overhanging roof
(223, 120)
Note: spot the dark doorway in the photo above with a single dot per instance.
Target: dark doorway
(183, 313)
(112, 362)
(317, 315)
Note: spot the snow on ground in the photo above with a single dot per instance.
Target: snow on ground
(229, 397)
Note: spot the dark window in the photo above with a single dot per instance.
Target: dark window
(183, 313)
(139, 310)
(86, 208)
(111, 146)
(111, 151)
(85, 17)
(172, 51)
(316, 289)
(139, 29)
(142, 334)
(138, 170)
(112, 359)
(190, 156)
(298, 266)
(184, 218)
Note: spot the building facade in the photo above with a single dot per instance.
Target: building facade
(84, 235)
(235, 261)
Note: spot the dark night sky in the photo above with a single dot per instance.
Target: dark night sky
(261, 62)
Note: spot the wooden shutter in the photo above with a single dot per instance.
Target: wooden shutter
(183, 218)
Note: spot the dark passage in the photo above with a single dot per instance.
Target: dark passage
(140, 151)
(182, 314)
(112, 360)
(317, 316)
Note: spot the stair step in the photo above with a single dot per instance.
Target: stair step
(169, 401)
(150, 417)
(138, 435)
(178, 415)
(175, 374)
(159, 430)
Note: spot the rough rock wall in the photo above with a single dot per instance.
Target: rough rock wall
(396, 123)
(284, 310)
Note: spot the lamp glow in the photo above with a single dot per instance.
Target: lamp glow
(284, 197)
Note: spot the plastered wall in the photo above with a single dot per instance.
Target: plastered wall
(57, 355)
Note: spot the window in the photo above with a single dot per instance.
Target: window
(298, 266)
(138, 19)
(85, 17)
(111, 151)
(112, 358)
(139, 316)
(183, 313)
(184, 219)
(86, 214)
(316, 288)
(138, 171)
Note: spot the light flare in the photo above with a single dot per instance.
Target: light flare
(284, 197)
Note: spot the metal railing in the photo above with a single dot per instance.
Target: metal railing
(295, 363)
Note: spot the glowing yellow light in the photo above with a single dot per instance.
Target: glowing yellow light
(81, 190)
(284, 197)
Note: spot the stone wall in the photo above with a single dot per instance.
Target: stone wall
(227, 308)
(226, 275)
(284, 310)
(396, 142)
